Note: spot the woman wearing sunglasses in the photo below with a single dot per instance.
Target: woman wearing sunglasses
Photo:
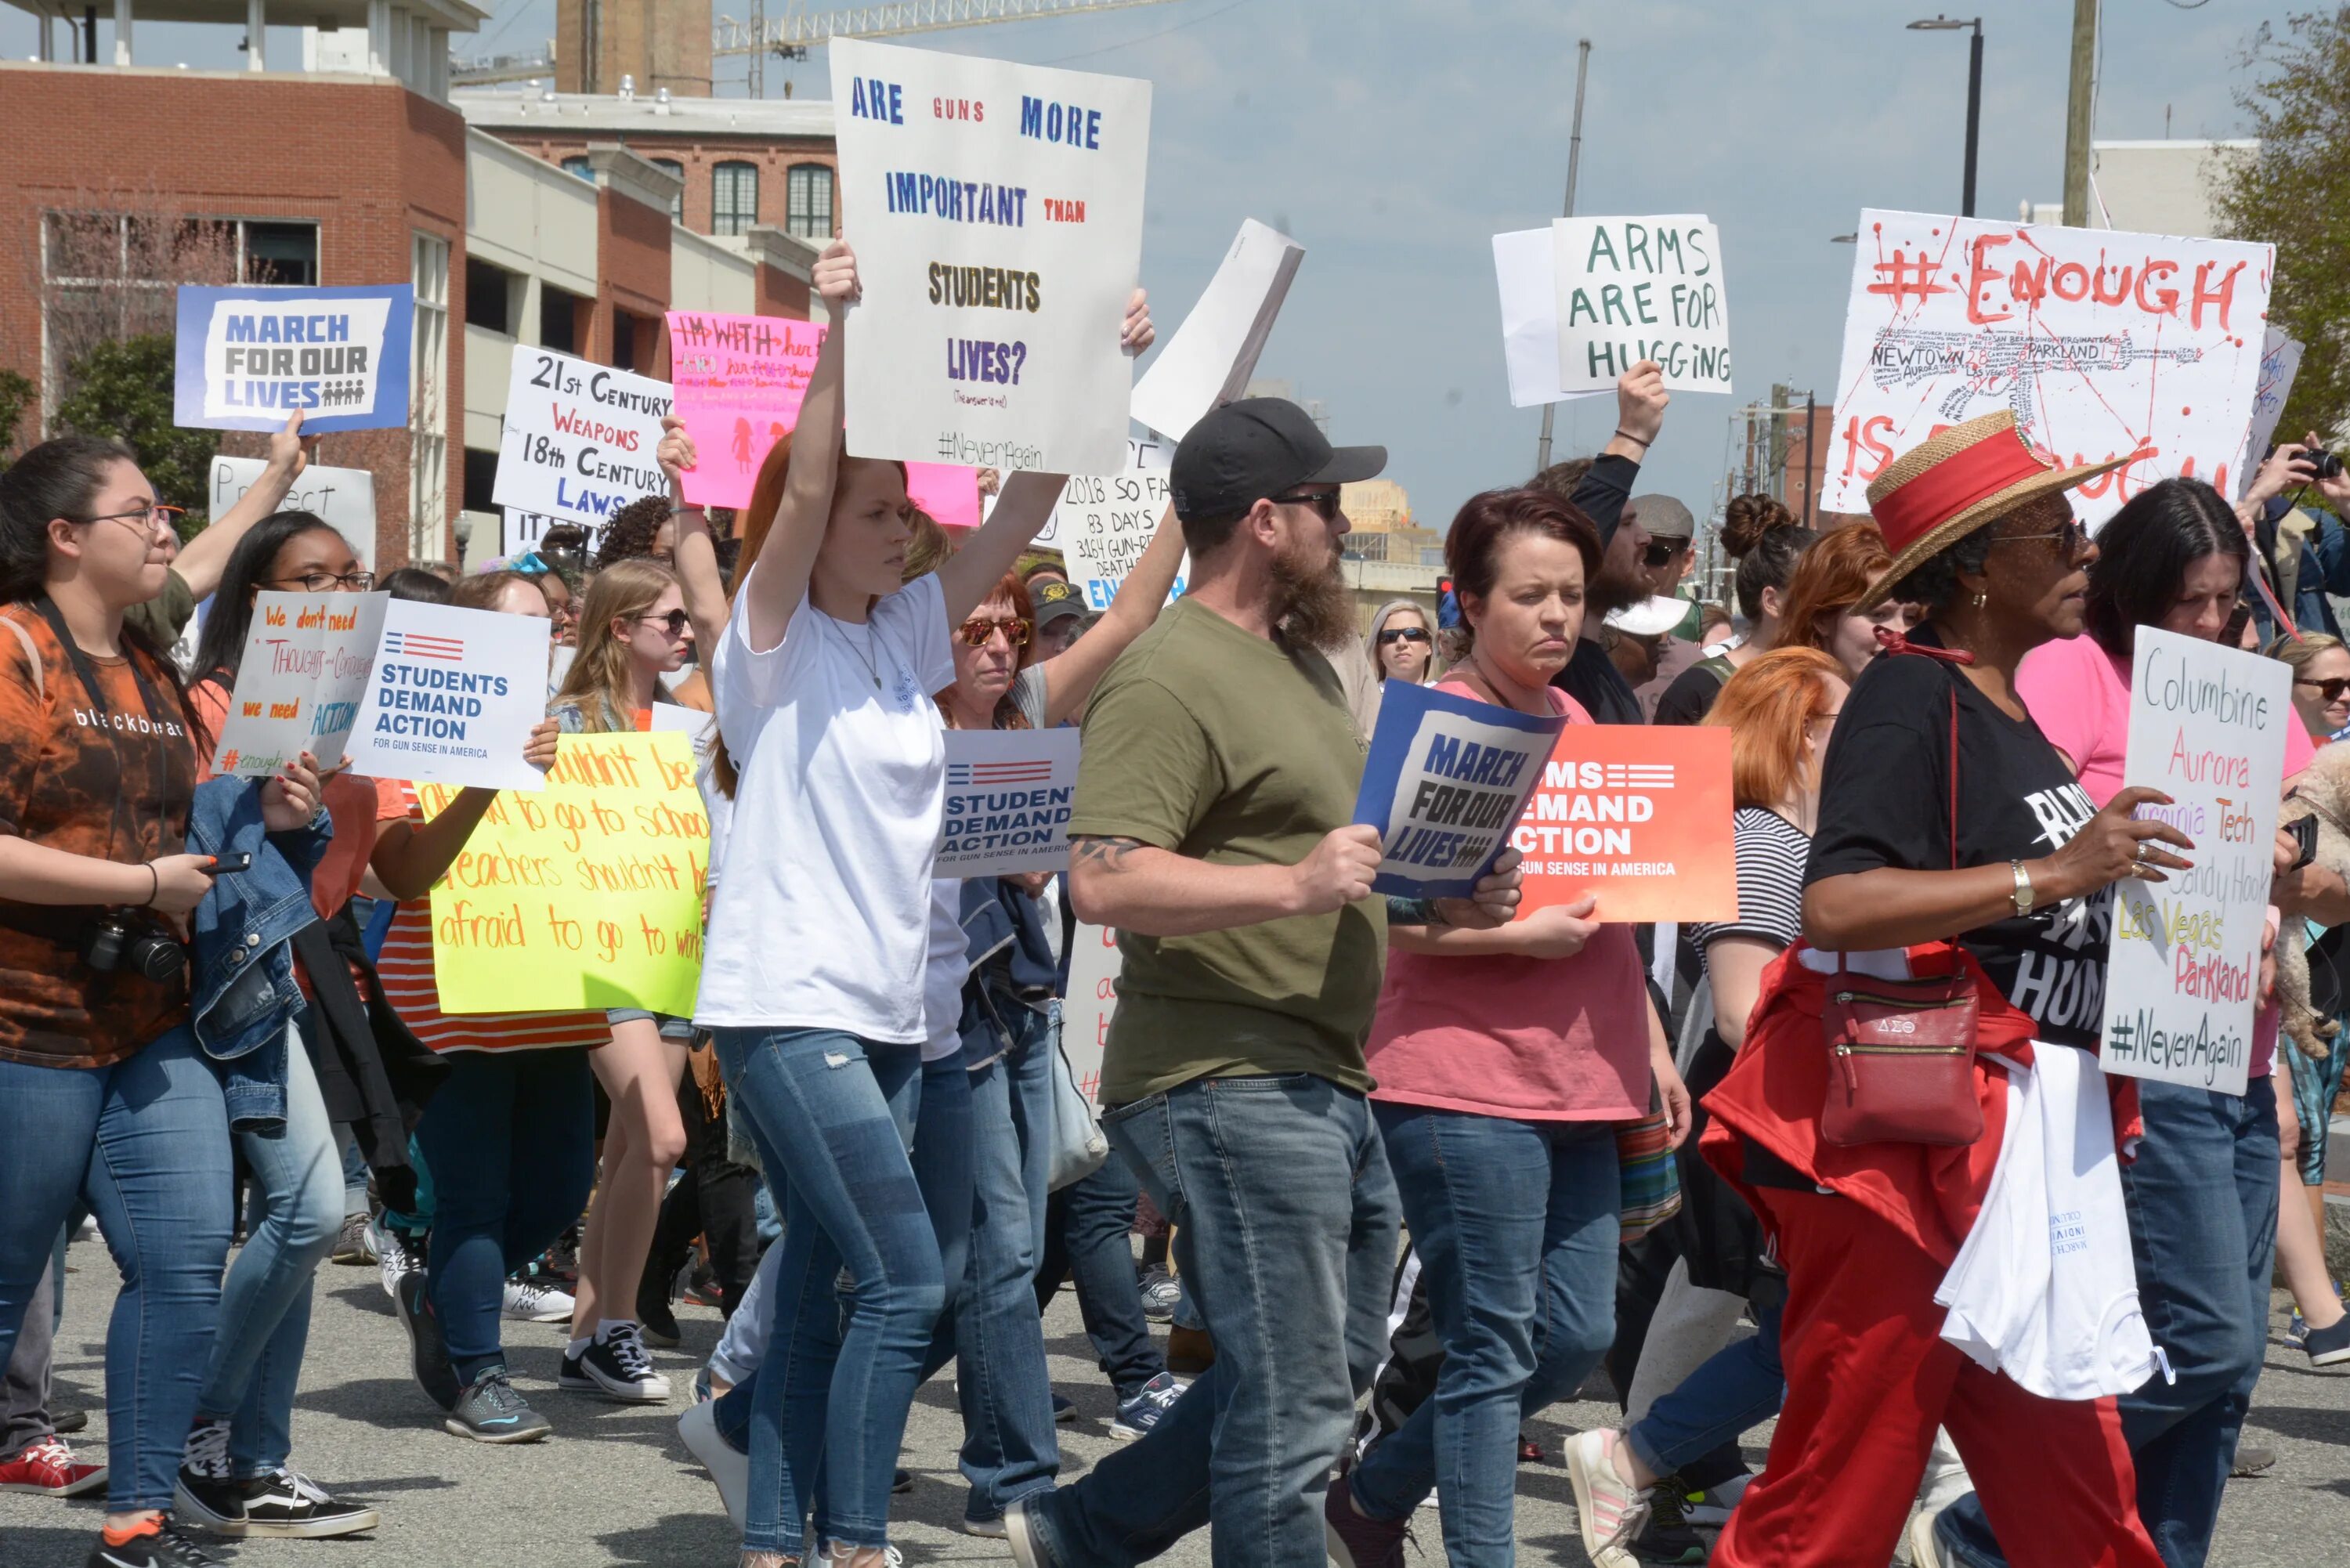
(2321, 682)
(1401, 643)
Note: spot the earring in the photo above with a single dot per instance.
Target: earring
(1980, 599)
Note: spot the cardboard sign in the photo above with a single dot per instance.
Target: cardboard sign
(1145, 452)
(997, 213)
(1444, 779)
(245, 358)
(1010, 794)
(738, 382)
(453, 699)
(1213, 354)
(1641, 288)
(1092, 1001)
(947, 491)
(2280, 363)
(585, 894)
(343, 497)
(579, 437)
(2106, 345)
(1525, 269)
(1110, 524)
(305, 666)
(2183, 966)
(1637, 817)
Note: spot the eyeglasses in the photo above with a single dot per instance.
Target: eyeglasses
(151, 517)
(2073, 535)
(1325, 503)
(674, 623)
(1660, 551)
(2331, 690)
(325, 582)
(977, 630)
(1402, 634)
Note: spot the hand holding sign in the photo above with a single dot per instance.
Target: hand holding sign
(2116, 844)
(290, 799)
(1493, 901)
(676, 454)
(1338, 872)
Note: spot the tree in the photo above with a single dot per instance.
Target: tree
(17, 395)
(2292, 190)
(123, 390)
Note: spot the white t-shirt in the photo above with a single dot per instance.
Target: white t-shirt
(820, 920)
(943, 971)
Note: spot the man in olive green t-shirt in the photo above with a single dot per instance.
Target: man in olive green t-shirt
(1212, 830)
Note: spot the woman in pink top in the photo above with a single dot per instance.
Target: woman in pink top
(1505, 1059)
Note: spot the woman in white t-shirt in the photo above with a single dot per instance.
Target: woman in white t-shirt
(819, 931)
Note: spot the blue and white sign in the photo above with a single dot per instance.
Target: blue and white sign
(1446, 780)
(454, 697)
(1009, 795)
(248, 357)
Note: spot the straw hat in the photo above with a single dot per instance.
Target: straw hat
(1933, 495)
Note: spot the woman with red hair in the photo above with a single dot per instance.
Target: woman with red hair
(1824, 606)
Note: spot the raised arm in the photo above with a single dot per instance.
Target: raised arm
(204, 558)
(698, 576)
(778, 579)
(1070, 678)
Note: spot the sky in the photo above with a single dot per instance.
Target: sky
(1393, 138)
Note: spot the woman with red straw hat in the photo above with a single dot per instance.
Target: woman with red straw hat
(1868, 1195)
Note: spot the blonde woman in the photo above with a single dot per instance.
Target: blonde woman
(2321, 682)
(1402, 643)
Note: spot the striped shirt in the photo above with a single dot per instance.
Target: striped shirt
(1772, 852)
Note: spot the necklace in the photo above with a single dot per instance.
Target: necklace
(863, 656)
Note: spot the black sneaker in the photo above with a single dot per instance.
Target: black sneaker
(429, 1351)
(489, 1411)
(1064, 1410)
(2328, 1346)
(618, 1367)
(291, 1505)
(901, 1481)
(166, 1546)
(1667, 1535)
(659, 1323)
(206, 1496)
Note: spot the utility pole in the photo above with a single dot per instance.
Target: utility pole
(1974, 118)
(1574, 162)
(2079, 112)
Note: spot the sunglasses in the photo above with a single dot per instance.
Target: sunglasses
(674, 623)
(1325, 503)
(977, 630)
(2331, 690)
(2073, 535)
(1402, 634)
(1660, 551)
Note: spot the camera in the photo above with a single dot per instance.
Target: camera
(2322, 463)
(117, 943)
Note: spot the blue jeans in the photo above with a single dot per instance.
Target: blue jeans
(145, 1143)
(1286, 1228)
(1096, 1215)
(2202, 1197)
(833, 1118)
(1517, 1224)
(1734, 1390)
(265, 1302)
(510, 1138)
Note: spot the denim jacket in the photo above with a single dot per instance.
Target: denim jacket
(244, 992)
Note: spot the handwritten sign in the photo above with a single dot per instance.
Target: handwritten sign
(1640, 288)
(2106, 345)
(1141, 451)
(1092, 1002)
(738, 382)
(298, 685)
(1110, 523)
(454, 695)
(2280, 363)
(579, 437)
(1444, 779)
(343, 498)
(997, 213)
(1526, 271)
(519, 530)
(586, 894)
(243, 358)
(1009, 794)
(1639, 818)
(2182, 973)
(1213, 354)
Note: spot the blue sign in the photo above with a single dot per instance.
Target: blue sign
(247, 358)
(1446, 780)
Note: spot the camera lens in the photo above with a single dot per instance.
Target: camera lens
(2325, 464)
(155, 956)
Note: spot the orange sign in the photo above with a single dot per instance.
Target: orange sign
(1638, 816)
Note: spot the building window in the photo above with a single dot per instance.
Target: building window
(558, 318)
(428, 461)
(489, 296)
(480, 479)
(281, 253)
(581, 167)
(733, 198)
(676, 202)
(808, 214)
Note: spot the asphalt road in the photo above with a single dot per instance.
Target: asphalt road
(614, 1485)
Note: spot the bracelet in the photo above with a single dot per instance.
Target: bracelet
(1627, 435)
(2023, 896)
(154, 886)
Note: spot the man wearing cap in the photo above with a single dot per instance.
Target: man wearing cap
(1061, 616)
(1211, 831)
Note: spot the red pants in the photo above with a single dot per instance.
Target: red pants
(1868, 1380)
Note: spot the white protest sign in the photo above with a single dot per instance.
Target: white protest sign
(298, 685)
(454, 697)
(1641, 288)
(997, 214)
(1146, 451)
(579, 437)
(1211, 356)
(2205, 727)
(519, 531)
(2280, 363)
(692, 722)
(1091, 1003)
(2106, 345)
(343, 497)
(1525, 269)
(1009, 794)
(1110, 523)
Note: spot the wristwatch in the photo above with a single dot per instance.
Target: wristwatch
(2023, 890)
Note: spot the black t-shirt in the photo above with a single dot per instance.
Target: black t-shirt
(1592, 679)
(1885, 800)
(1690, 696)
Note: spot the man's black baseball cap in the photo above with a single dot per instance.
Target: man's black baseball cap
(1254, 450)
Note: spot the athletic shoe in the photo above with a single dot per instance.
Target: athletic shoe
(1925, 1550)
(1530, 1452)
(619, 1367)
(1665, 1536)
(392, 1257)
(159, 1544)
(2250, 1459)
(285, 1503)
(64, 1423)
(1154, 1399)
(534, 1300)
(985, 1528)
(1353, 1538)
(2328, 1346)
(1064, 1410)
(350, 1242)
(1020, 1534)
(728, 1465)
(1159, 1295)
(1608, 1509)
(703, 1394)
(1710, 1509)
(490, 1411)
(48, 1468)
(207, 1496)
(427, 1351)
(901, 1481)
(659, 1324)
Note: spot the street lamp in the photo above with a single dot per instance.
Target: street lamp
(1939, 24)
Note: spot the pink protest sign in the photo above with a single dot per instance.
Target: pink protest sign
(947, 492)
(738, 382)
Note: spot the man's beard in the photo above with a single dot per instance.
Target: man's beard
(1615, 587)
(1311, 601)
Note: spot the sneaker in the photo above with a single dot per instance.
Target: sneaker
(1608, 1510)
(392, 1257)
(1353, 1538)
(1666, 1536)
(728, 1465)
(68, 1421)
(1710, 1509)
(158, 1544)
(618, 1367)
(2250, 1459)
(1064, 1410)
(703, 1394)
(48, 1468)
(534, 1300)
(287, 1505)
(901, 1481)
(659, 1324)
(1021, 1534)
(2328, 1346)
(985, 1528)
(350, 1242)
(1159, 1295)
(1137, 1415)
(427, 1351)
(490, 1411)
(206, 1495)
(1925, 1549)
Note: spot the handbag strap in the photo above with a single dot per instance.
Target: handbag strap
(1895, 643)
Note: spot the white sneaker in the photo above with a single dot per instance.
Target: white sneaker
(531, 1301)
(728, 1465)
(1609, 1507)
(1924, 1551)
(391, 1256)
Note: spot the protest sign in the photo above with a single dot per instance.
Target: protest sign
(1009, 796)
(997, 213)
(455, 696)
(1211, 356)
(1145, 452)
(586, 894)
(245, 358)
(343, 497)
(1444, 779)
(695, 725)
(1525, 269)
(2279, 362)
(519, 531)
(1637, 817)
(1092, 1002)
(1110, 523)
(298, 684)
(947, 491)
(738, 382)
(2105, 344)
(2183, 968)
(1640, 288)
(579, 437)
